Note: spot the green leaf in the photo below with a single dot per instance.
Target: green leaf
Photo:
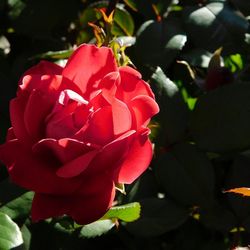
(159, 43)
(220, 121)
(123, 23)
(19, 207)
(174, 114)
(26, 234)
(56, 55)
(10, 235)
(96, 228)
(186, 175)
(158, 216)
(128, 212)
(215, 25)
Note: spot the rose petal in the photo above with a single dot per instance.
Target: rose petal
(100, 127)
(98, 195)
(51, 85)
(44, 68)
(144, 107)
(131, 85)
(137, 160)
(10, 134)
(17, 107)
(36, 110)
(77, 166)
(65, 149)
(121, 115)
(112, 154)
(35, 173)
(87, 65)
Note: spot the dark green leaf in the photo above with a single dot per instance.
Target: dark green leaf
(215, 25)
(158, 216)
(26, 237)
(10, 234)
(243, 5)
(20, 207)
(187, 175)
(159, 43)
(128, 212)
(221, 119)
(173, 116)
(197, 57)
(218, 218)
(96, 228)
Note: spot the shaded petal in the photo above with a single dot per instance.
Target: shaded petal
(10, 134)
(144, 107)
(100, 127)
(36, 110)
(112, 154)
(65, 149)
(88, 65)
(77, 166)
(132, 85)
(35, 173)
(17, 108)
(84, 208)
(137, 160)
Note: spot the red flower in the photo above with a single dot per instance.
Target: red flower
(77, 131)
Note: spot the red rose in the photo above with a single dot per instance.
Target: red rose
(77, 131)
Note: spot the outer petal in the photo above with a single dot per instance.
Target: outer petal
(17, 108)
(51, 85)
(131, 85)
(88, 65)
(36, 110)
(34, 172)
(144, 107)
(42, 68)
(136, 161)
(96, 198)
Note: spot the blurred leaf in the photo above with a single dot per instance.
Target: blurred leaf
(10, 235)
(173, 116)
(128, 212)
(145, 7)
(159, 43)
(197, 57)
(38, 18)
(19, 207)
(16, 7)
(123, 23)
(158, 216)
(186, 175)
(243, 5)
(220, 121)
(96, 228)
(218, 218)
(55, 55)
(26, 234)
(241, 190)
(238, 176)
(215, 25)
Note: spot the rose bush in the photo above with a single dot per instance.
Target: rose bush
(78, 131)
